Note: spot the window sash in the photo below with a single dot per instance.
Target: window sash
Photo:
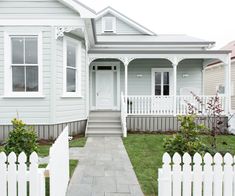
(161, 83)
(25, 66)
(68, 90)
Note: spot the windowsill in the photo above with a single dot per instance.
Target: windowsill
(24, 96)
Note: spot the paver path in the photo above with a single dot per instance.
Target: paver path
(104, 169)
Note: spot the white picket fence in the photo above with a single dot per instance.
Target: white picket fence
(197, 176)
(17, 177)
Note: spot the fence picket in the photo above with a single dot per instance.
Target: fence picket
(165, 176)
(3, 174)
(33, 174)
(11, 174)
(197, 175)
(208, 175)
(22, 177)
(186, 175)
(218, 175)
(176, 175)
(228, 175)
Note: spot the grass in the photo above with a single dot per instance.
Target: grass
(146, 150)
(43, 150)
(72, 165)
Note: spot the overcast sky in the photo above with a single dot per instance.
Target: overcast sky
(212, 20)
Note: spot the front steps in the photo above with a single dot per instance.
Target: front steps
(104, 123)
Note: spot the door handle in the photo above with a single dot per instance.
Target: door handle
(97, 94)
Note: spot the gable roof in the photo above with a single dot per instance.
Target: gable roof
(83, 10)
(124, 18)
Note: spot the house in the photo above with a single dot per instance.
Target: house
(214, 78)
(63, 63)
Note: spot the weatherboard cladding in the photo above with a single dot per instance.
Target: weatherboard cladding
(35, 9)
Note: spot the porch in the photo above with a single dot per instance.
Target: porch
(149, 86)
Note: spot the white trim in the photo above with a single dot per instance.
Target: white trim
(8, 66)
(114, 25)
(170, 70)
(78, 68)
(96, 64)
(39, 22)
(125, 19)
(84, 11)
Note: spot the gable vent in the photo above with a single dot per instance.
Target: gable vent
(109, 24)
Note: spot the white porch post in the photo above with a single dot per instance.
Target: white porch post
(227, 85)
(126, 77)
(175, 64)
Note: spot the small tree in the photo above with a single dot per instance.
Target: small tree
(213, 111)
(21, 139)
(187, 139)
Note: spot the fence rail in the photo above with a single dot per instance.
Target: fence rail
(164, 105)
(197, 176)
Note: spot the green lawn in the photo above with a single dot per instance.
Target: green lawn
(146, 150)
(43, 150)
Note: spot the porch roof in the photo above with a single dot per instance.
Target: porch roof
(174, 56)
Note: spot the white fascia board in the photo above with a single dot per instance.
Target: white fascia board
(39, 22)
(125, 19)
(84, 11)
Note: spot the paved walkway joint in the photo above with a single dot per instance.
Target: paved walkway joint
(104, 169)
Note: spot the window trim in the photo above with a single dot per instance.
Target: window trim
(114, 21)
(8, 91)
(78, 92)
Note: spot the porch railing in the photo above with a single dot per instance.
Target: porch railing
(164, 105)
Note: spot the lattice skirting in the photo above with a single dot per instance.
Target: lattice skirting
(49, 131)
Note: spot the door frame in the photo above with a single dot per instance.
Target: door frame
(93, 89)
(170, 70)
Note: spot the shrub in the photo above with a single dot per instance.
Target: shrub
(187, 139)
(21, 139)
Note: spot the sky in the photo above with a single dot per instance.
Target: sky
(211, 20)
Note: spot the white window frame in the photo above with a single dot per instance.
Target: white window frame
(170, 80)
(114, 21)
(78, 92)
(8, 91)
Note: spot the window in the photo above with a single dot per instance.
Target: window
(161, 83)
(109, 24)
(72, 59)
(23, 57)
(220, 89)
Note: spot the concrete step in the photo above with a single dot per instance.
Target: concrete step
(104, 123)
(97, 134)
(106, 118)
(105, 114)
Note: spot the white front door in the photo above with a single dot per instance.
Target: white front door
(104, 89)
